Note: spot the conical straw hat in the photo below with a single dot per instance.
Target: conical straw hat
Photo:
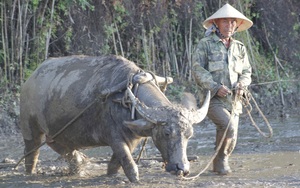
(227, 11)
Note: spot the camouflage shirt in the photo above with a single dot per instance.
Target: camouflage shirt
(215, 65)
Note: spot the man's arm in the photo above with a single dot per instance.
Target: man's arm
(202, 76)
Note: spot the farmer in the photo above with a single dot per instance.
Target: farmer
(221, 65)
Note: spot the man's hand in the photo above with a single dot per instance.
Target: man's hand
(223, 91)
(239, 89)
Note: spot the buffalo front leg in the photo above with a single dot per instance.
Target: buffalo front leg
(113, 165)
(122, 157)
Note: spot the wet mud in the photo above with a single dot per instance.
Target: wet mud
(256, 161)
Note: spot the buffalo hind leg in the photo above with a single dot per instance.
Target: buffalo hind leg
(77, 161)
(32, 153)
(75, 158)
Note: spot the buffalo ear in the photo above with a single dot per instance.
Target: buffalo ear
(138, 125)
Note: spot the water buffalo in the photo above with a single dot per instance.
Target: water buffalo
(105, 101)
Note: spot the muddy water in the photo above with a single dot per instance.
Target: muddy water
(256, 162)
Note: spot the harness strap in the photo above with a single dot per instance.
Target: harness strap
(133, 83)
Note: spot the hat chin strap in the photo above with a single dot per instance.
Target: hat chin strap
(220, 35)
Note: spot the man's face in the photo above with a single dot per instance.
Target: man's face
(226, 26)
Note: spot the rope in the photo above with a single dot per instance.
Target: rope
(215, 154)
(104, 94)
(142, 150)
(58, 133)
(155, 84)
(272, 82)
(245, 103)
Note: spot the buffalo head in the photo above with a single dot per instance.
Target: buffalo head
(170, 128)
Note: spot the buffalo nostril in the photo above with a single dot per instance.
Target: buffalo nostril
(186, 173)
(178, 169)
(183, 169)
(180, 173)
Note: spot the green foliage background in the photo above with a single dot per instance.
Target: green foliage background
(158, 35)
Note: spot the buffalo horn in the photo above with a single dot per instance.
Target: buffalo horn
(142, 109)
(201, 113)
